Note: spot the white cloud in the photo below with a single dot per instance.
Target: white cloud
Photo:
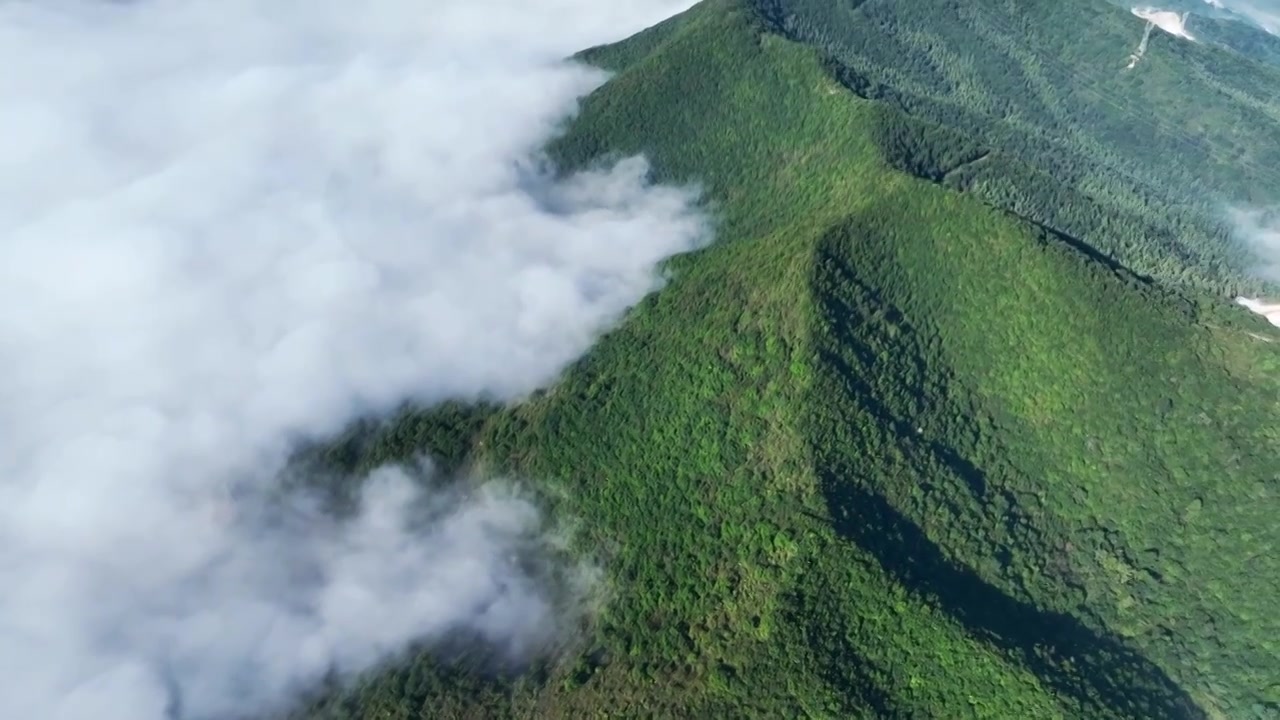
(226, 225)
(1259, 231)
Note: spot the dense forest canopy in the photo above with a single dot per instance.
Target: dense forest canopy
(1139, 162)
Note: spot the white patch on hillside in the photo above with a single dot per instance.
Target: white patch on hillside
(1136, 57)
(1171, 22)
(1270, 311)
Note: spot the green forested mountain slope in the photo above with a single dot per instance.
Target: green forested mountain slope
(883, 450)
(1218, 24)
(1237, 36)
(1137, 161)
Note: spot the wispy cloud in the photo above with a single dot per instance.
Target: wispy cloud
(227, 225)
(1259, 231)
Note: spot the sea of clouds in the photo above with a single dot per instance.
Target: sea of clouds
(227, 226)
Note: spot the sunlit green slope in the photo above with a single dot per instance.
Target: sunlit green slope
(883, 450)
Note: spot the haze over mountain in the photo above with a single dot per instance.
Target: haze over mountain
(1262, 13)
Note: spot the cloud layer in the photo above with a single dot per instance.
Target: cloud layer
(228, 225)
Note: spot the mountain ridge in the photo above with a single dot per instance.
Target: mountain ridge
(888, 448)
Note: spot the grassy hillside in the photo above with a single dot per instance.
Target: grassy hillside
(884, 450)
